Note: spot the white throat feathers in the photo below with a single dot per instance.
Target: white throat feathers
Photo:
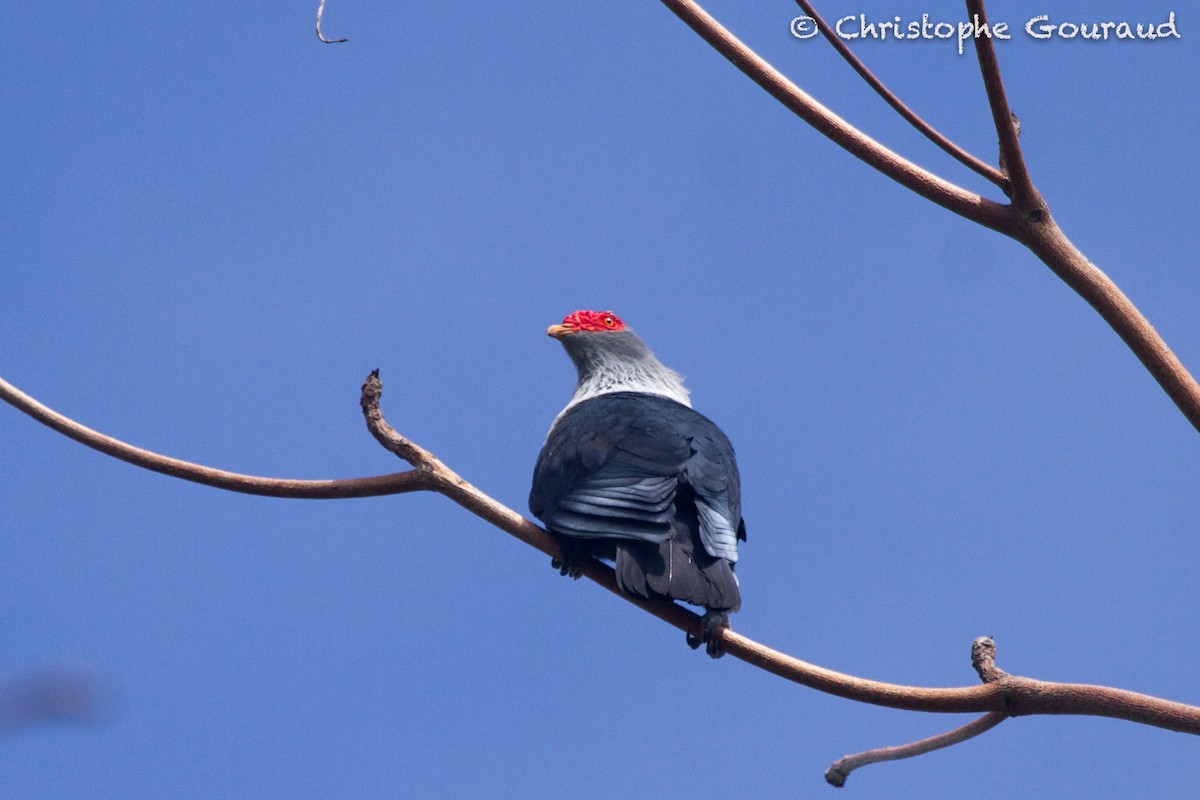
(619, 361)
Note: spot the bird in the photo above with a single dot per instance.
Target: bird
(630, 473)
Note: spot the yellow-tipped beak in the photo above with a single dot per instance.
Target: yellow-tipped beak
(558, 331)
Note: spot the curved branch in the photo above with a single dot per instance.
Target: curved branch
(1037, 230)
(962, 202)
(1047, 241)
(1003, 693)
(1027, 220)
(928, 131)
(396, 483)
(983, 659)
(840, 770)
(1010, 695)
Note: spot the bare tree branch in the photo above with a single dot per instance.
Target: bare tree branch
(1010, 694)
(840, 770)
(1027, 220)
(1023, 193)
(962, 156)
(1036, 229)
(396, 483)
(962, 202)
(1006, 694)
(1003, 694)
(983, 659)
(1042, 235)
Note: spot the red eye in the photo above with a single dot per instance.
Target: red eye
(608, 321)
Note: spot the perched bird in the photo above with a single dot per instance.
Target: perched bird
(630, 473)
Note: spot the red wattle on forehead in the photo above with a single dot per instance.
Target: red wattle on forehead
(593, 321)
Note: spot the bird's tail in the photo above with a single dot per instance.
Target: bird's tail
(677, 568)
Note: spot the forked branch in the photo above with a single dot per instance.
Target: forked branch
(983, 658)
(1027, 219)
(840, 770)
(913, 118)
(967, 204)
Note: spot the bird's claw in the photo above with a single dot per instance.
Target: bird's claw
(571, 559)
(571, 569)
(709, 624)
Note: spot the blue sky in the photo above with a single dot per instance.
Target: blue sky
(214, 227)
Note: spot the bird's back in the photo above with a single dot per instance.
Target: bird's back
(651, 484)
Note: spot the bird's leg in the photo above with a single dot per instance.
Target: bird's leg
(709, 623)
(574, 555)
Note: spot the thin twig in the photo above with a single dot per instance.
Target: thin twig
(396, 483)
(1023, 193)
(840, 770)
(321, 36)
(930, 186)
(983, 659)
(932, 134)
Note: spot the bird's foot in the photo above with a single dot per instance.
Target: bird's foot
(573, 557)
(709, 624)
(572, 569)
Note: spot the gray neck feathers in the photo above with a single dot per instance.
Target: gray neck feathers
(620, 362)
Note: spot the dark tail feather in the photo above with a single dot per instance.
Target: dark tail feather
(677, 569)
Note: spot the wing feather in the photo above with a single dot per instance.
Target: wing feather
(612, 467)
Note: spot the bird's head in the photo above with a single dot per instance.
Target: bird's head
(586, 322)
(611, 358)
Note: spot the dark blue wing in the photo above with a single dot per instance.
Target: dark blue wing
(612, 468)
(712, 473)
(609, 469)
